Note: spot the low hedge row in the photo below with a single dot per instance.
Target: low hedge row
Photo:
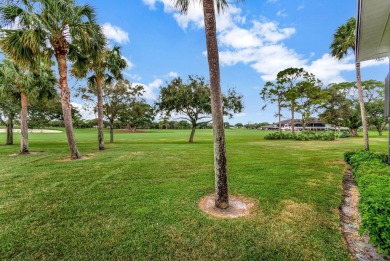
(303, 135)
(372, 175)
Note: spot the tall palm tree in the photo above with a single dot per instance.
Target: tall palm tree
(106, 66)
(51, 28)
(343, 41)
(20, 81)
(220, 163)
(27, 84)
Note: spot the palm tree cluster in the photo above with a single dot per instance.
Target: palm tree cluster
(36, 32)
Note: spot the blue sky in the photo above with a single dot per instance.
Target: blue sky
(257, 39)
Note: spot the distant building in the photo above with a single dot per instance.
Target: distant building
(312, 125)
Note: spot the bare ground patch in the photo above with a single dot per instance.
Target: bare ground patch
(358, 246)
(83, 157)
(23, 154)
(239, 206)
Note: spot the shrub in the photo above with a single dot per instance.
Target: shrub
(373, 178)
(344, 134)
(304, 135)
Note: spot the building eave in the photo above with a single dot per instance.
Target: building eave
(372, 30)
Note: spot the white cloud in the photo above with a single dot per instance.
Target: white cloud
(239, 38)
(260, 44)
(150, 89)
(115, 33)
(238, 115)
(173, 74)
(374, 62)
(150, 3)
(134, 77)
(328, 68)
(271, 32)
(85, 111)
(129, 64)
(281, 13)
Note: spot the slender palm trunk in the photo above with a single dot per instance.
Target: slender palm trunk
(220, 163)
(66, 106)
(191, 140)
(362, 107)
(99, 84)
(10, 131)
(23, 125)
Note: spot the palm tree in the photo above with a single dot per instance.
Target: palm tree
(38, 83)
(220, 164)
(106, 66)
(51, 28)
(20, 81)
(343, 41)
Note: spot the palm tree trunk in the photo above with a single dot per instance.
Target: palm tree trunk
(191, 140)
(99, 84)
(10, 131)
(66, 106)
(220, 164)
(23, 125)
(362, 107)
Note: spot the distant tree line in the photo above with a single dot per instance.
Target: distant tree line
(298, 91)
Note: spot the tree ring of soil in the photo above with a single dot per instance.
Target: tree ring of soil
(239, 206)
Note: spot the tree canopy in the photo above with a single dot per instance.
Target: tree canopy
(191, 101)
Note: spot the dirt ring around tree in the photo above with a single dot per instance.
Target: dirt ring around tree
(239, 206)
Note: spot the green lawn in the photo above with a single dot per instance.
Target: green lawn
(138, 199)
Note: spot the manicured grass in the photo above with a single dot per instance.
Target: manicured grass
(138, 199)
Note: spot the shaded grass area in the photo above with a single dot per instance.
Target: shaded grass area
(138, 199)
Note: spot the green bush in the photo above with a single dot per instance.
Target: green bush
(280, 136)
(344, 134)
(304, 135)
(373, 178)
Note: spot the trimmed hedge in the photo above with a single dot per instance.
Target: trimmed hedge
(303, 135)
(372, 175)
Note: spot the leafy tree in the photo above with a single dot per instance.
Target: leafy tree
(51, 28)
(44, 110)
(376, 115)
(220, 162)
(239, 125)
(192, 99)
(311, 98)
(274, 92)
(106, 67)
(374, 98)
(291, 80)
(343, 41)
(118, 97)
(139, 113)
(341, 109)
